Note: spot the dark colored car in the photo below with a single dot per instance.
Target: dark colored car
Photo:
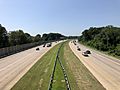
(88, 52)
(44, 45)
(78, 48)
(37, 49)
(75, 44)
(85, 54)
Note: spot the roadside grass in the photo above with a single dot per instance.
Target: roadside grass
(38, 77)
(79, 76)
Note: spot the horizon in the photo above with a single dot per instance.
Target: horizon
(58, 32)
(67, 17)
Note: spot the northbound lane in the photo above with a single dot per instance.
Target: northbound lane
(105, 68)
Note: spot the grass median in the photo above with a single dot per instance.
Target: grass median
(64, 59)
(59, 82)
(38, 77)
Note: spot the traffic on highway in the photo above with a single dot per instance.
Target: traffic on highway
(105, 68)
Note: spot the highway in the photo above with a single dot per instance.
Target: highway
(13, 67)
(105, 68)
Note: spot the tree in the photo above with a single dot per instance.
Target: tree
(29, 38)
(3, 37)
(102, 38)
(52, 36)
(37, 38)
(17, 37)
(45, 37)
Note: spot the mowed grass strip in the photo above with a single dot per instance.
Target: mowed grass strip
(64, 59)
(58, 82)
(38, 77)
(79, 76)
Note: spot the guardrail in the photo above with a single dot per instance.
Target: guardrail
(63, 69)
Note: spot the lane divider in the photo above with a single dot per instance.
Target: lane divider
(63, 69)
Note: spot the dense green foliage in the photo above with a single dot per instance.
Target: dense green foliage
(52, 36)
(3, 37)
(103, 38)
(73, 37)
(18, 37)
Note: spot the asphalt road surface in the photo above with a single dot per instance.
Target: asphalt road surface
(105, 68)
(13, 67)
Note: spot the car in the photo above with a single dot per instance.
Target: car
(49, 44)
(78, 48)
(75, 43)
(88, 52)
(85, 54)
(37, 49)
(44, 45)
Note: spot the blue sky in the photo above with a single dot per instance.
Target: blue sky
(69, 17)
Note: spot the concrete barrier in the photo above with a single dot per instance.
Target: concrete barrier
(14, 49)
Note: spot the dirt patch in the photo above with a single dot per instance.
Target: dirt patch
(54, 80)
(62, 80)
(46, 70)
(40, 84)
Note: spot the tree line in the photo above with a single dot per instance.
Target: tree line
(102, 38)
(19, 37)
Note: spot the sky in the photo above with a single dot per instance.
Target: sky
(68, 17)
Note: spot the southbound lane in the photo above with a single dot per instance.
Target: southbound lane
(13, 67)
